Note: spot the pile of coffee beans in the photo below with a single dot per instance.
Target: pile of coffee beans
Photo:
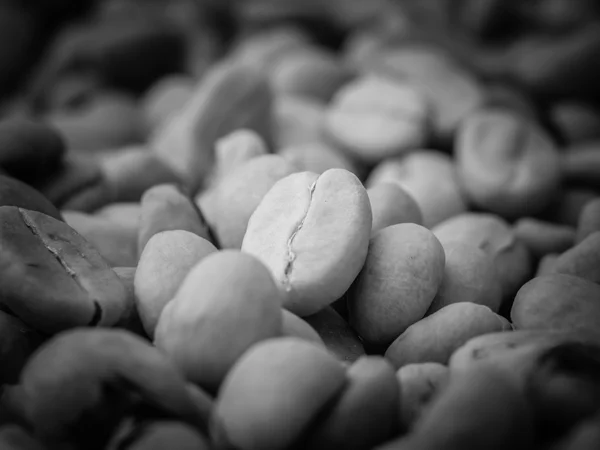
(325, 224)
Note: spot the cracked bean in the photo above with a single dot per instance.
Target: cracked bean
(312, 231)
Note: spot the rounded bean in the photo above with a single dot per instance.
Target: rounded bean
(164, 208)
(496, 238)
(374, 118)
(225, 304)
(436, 337)
(237, 148)
(253, 409)
(400, 278)
(308, 72)
(164, 263)
(452, 91)
(430, 178)
(557, 301)
(290, 226)
(506, 164)
(392, 205)
(470, 275)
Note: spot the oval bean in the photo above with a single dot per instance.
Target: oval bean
(288, 229)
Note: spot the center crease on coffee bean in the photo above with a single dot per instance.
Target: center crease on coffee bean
(291, 255)
(31, 226)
